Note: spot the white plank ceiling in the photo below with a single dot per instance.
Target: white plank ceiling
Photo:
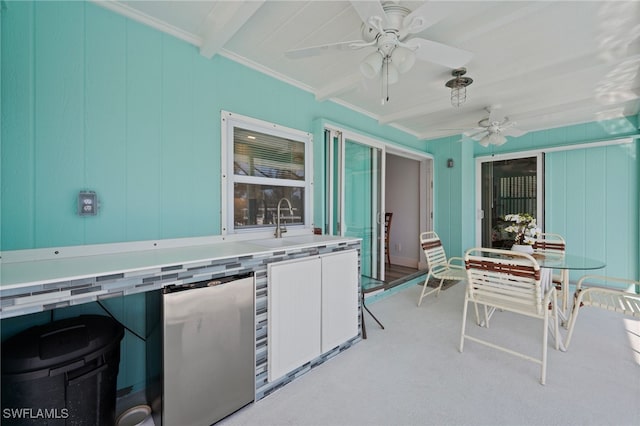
(545, 64)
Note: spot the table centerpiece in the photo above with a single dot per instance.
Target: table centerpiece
(526, 230)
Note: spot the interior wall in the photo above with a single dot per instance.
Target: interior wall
(402, 198)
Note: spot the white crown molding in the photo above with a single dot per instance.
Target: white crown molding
(264, 70)
(143, 18)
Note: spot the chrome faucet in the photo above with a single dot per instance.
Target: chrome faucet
(280, 231)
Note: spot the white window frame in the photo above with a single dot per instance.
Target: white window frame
(228, 121)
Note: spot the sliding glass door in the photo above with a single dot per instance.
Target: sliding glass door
(508, 185)
(362, 202)
(354, 207)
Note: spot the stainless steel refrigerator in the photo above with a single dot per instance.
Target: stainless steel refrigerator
(208, 350)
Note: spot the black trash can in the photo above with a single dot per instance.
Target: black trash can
(62, 373)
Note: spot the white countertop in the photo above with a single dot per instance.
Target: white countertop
(17, 272)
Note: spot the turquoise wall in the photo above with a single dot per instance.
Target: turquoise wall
(591, 194)
(593, 203)
(92, 100)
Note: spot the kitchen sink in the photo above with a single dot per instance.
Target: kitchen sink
(293, 241)
(273, 242)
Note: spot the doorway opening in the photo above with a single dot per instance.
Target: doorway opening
(404, 199)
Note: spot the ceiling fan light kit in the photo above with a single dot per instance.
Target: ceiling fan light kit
(403, 58)
(458, 86)
(371, 65)
(389, 28)
(492, 139)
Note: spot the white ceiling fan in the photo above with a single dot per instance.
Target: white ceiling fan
(494, 129)
(388, 28)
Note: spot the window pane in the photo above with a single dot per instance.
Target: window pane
(261, 155)
(256, 206)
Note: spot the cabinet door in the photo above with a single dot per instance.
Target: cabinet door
(340, 298)
(294, 299)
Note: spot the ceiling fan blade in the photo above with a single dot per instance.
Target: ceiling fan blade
(476, 134)
(484, 142)
(438, 53)
(370, 9)
(307, 52)
(512, 131)
(423, 17)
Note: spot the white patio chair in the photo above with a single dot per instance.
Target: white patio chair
(622, 300)
(549, 243)
(508, 281)
(439, 267)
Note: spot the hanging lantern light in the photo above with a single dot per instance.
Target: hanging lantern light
(458, 86)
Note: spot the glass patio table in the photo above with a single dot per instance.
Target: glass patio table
(566, 262)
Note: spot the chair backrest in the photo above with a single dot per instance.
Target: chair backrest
(387, 225)
(505, 279)
(549, 243)
(433, 250)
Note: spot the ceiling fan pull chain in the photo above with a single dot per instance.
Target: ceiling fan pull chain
(382, 90)
(387, 78)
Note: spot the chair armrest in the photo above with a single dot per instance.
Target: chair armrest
(451, 259)
(604, 278)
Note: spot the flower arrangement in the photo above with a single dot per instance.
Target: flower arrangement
(524, 226)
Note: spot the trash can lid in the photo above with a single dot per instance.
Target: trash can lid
(59, 342)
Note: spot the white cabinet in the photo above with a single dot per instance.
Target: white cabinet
(294, 315)
(312, 308)
(340, 298)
